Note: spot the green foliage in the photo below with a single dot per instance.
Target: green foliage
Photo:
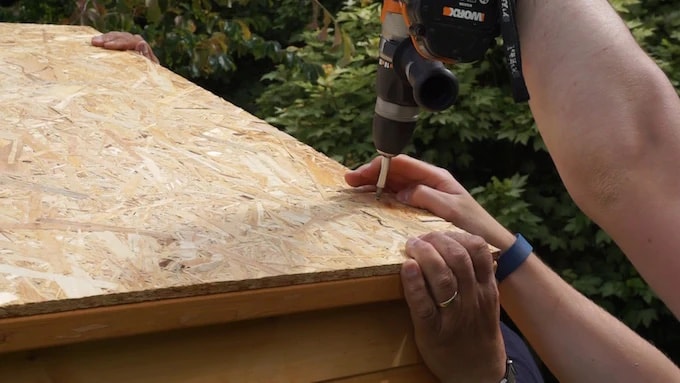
(332, 109)
(504, 198)
(48, 11)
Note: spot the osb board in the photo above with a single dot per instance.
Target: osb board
(122, 182)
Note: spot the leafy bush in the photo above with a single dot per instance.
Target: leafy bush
(333, 112)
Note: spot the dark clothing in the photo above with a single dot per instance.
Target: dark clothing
(525, 365)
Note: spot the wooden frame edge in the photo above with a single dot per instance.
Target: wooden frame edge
(45, 330)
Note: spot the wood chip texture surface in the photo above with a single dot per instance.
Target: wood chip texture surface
(123, 182)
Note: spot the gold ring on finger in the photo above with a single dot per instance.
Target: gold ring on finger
(448, 301)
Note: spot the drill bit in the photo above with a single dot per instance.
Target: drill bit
(382, 178)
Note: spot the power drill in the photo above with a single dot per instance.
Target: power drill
(417, 36)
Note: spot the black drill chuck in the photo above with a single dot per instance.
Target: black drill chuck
(391, 137)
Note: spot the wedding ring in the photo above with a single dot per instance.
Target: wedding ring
(448, 301)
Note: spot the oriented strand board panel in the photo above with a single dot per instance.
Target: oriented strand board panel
(122, 182)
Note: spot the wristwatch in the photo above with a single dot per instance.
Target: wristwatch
(510, 372)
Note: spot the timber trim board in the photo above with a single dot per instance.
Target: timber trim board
(359, 343)
(402, 374)
(45, 330)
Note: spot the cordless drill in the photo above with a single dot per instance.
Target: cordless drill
(417, 36)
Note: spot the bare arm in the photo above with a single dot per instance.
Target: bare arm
(575, 338)
(578, 341)
(611, 121)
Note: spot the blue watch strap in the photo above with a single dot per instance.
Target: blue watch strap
(511, 258)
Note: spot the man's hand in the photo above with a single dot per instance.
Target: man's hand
(425, 186)
(123, 41)
(462, 341)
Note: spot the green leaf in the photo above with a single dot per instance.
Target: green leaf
(153, 11)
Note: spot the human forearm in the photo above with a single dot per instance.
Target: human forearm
(575, 338)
